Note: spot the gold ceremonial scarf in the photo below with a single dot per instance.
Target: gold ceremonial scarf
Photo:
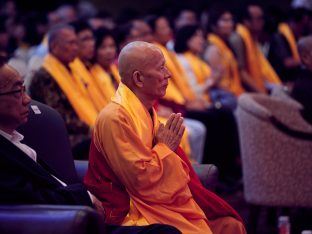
(82, 74)
(257, 65)
(285, 30)
(230, 80)
(103, 81)
(115, 72)
(72, 88)
(201, 69)
(178, 75)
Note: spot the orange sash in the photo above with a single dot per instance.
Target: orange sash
(178, 76)
(82, 74)
(72, 88)
(284, 29)
(230, 80)
(257, 65)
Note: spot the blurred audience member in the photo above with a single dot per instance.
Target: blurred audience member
(257, 75)
(283, 53)
(55, 85)
(219, 54)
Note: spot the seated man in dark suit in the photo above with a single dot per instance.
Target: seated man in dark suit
(302, 90)
(22, 179)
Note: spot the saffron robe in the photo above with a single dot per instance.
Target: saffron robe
(155, 178)
(105, 84)
(230, 80)
(258, 66)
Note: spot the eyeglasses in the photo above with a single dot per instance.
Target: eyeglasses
(20, 92)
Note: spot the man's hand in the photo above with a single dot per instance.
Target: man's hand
(171, 133)
(97, 205)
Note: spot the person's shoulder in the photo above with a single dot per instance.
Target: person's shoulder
(42, 75)
(113, 112)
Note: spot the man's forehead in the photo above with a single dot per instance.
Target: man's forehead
(67, 33)
(9, 77)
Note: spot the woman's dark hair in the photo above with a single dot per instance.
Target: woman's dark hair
(151, 21)
(80, 25)
(214, 17)
(183, 35)
(100, 34)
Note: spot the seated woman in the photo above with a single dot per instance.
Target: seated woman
(104, 68)
(189, 45)
(219, 53)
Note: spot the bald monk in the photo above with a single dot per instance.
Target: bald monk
(133, 155)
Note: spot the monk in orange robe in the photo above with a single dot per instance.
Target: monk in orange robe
(139, 152)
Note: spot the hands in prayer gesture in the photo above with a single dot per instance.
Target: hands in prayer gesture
(171, 133)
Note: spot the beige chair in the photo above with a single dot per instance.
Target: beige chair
(276, 151)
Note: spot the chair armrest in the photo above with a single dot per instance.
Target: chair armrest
(81, 168)
(208, 175)
(49, 219)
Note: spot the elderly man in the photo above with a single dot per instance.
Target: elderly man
(133, 155)
(22, 180)
(55, 85)
(303, 85)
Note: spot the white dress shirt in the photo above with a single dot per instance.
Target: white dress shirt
(16, 138)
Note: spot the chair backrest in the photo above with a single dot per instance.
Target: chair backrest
(46, 133)
(276, 150)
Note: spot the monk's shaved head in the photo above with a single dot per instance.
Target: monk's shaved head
(305, 51)
(135, 56)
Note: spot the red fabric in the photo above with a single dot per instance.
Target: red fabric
(101, 181)
(212, 205)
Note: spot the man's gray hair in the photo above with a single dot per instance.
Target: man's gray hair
(54, 33)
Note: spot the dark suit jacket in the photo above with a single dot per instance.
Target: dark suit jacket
(23, 181)
(302, 92)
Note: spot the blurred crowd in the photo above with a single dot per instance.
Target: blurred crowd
(214, 55)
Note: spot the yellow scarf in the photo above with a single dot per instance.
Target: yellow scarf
(201, 69)
(81, 73)
(257, 65)
(178, 75)
(103, 82)
(285, 30)
(72, 89)
(230, 80)
(115, 72)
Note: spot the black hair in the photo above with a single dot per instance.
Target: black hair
(3, 59)
(121, 32)
(183, 35)
(214, 16)
(100, 34)
(243, 13)
(80, 25)
(298, 14)
(151, 21)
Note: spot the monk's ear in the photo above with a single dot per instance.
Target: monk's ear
(138, 79)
